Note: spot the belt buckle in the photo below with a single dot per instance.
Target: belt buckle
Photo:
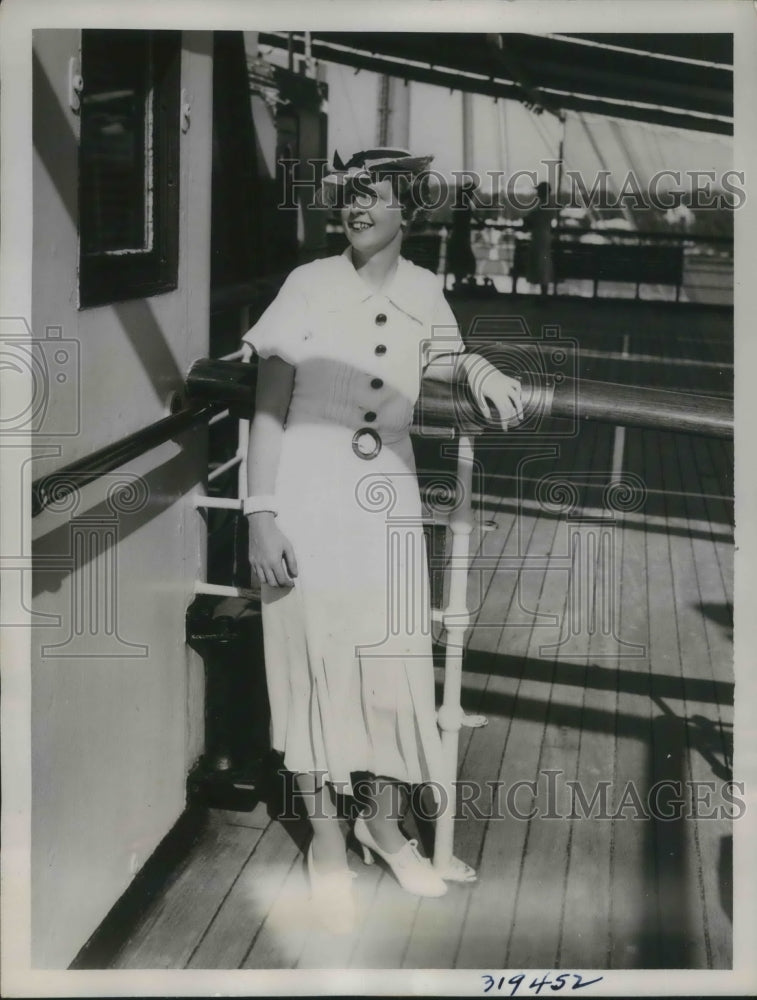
(364, 450)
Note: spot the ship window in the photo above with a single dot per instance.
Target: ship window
(128, 164)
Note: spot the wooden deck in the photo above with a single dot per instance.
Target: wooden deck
(601, 655)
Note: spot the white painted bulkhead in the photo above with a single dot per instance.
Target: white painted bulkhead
(117, 697)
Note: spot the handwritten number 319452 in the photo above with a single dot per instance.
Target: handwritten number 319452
(537, 985)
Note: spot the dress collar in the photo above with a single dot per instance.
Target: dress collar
(401, 289)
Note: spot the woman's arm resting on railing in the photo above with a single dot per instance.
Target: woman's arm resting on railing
(271, 555)
(488, 385)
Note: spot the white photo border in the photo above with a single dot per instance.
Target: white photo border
(18, 18)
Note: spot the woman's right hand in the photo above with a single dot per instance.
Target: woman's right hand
(271, 554)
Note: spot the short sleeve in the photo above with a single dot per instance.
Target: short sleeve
(282, 329)
(444, 335)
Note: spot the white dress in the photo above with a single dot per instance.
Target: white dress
(348, 648)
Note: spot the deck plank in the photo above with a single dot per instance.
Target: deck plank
(257, 818)
(281, 938)
(491, 911)
(487, 608)
(386, 927)
(482, 755)
(499, 841)
(173, 927)
(544, 908)
(584, 938)
(675, 946)
(324, 950)
(436, 931)
(715, 466)
(482, 749)
(232, 933)
(705, 719)
(634, 919)
(706, 472)
(683, 941)
(491, 906)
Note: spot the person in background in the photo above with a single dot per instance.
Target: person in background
(461, 261)
(540, 221)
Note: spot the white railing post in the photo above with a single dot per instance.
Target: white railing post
(456, 622)
(244, 438)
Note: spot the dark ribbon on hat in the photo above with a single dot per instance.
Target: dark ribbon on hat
(371, 165)
(379, 160)
(387, 155)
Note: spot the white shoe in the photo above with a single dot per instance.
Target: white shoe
(332, 898)
(413, 872)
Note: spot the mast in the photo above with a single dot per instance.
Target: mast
(393, 127)
(467, 130)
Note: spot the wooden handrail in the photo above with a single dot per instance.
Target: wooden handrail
(57, 485)
(212, 385)
(231, 382)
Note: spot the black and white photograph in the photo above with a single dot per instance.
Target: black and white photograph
(377, 498)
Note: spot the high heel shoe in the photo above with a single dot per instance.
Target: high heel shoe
(331, 896)
(413, 872)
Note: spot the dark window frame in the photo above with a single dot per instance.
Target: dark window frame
(113, 277)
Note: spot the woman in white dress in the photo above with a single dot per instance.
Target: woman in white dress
(334, 513)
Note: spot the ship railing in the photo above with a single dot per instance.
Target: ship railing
(448, 411)
(218, 389)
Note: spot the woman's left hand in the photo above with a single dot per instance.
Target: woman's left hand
(491, 388)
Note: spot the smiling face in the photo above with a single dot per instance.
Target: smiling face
(372, 218)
